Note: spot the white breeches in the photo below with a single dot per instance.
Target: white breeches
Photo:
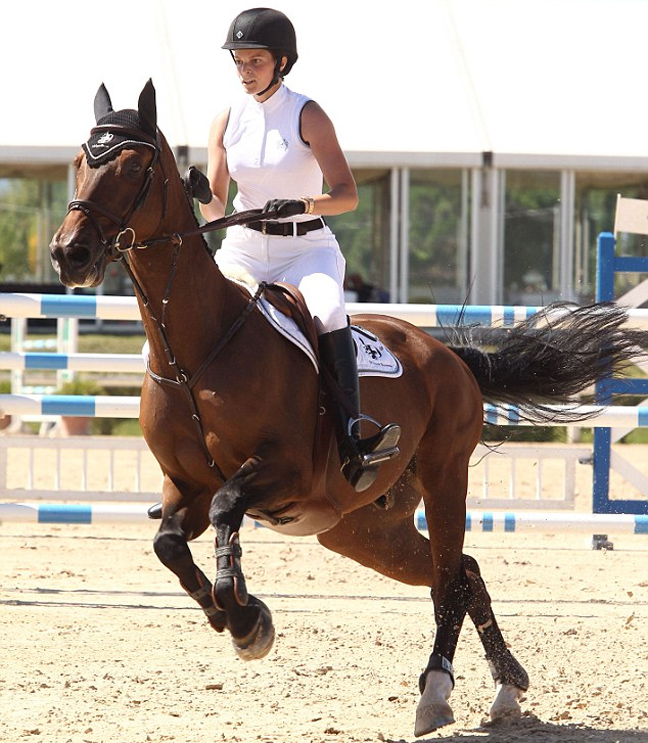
(313, 263)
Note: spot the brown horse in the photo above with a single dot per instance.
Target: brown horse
(235, 413)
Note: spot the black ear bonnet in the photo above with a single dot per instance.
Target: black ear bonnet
(117, 130)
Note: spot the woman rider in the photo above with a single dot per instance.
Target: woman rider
(279, 146)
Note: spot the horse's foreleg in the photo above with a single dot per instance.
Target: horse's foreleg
(249, 619)
(511, 680)
(171, 547)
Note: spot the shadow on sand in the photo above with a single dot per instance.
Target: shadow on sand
(530, 729)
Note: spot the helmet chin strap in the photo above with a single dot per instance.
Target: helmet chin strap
(275, 77)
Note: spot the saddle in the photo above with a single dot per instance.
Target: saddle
(280, 301)
(288, 300)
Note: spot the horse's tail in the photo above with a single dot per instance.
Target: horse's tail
(551, 357)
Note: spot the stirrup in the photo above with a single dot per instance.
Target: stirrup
(380, 447)
(360, 464)
(377, 448)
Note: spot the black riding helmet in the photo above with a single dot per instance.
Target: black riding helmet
(264, 28)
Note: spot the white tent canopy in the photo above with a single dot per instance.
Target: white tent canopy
(546, 83)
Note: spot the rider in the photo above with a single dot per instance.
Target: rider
(276, 144)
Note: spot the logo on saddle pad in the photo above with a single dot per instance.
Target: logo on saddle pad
(373, 350)
(374, 359)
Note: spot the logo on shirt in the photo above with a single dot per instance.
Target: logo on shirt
(282, 144)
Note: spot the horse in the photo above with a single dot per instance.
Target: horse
(240, 422)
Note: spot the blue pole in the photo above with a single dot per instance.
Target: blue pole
(605, 267)
(605, 246)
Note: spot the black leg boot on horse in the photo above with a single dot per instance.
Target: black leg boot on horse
(359, 457)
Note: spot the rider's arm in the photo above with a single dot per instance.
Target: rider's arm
(217, 172)
(317, 130)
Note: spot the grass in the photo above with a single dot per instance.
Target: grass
(93, 342)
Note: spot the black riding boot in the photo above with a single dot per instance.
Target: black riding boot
(359, 457)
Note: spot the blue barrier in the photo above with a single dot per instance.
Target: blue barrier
(608, 264)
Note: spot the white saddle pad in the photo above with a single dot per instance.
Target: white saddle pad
(374, 359)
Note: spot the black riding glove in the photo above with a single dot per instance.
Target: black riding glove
(282, 208)
(197, 185)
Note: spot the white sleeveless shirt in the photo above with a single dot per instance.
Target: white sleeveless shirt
(266, 155)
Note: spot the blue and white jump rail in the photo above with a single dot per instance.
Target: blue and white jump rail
(90, 406)
(598, 415)
(102, 307)
(87, 362)
(128, 406)
(497, 522)
(542, 522)
(68, 513)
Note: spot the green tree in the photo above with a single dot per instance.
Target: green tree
(30, 209)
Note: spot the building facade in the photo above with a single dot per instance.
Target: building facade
(468, 230)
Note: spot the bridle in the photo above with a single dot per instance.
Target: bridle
(92, 210)
(115, 250)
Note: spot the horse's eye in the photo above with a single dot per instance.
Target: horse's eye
(135, 168)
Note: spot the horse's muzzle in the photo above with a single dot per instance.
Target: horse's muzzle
(76, 264)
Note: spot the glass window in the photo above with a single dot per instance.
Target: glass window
(438, 236)
(596, 197)
(531, 237)
(364, 238)
(30, 211)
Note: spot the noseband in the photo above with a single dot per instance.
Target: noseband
(93, 210)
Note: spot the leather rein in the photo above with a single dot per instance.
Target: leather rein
(181, 380)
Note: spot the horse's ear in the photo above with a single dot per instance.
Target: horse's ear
(147, 109)
(102, 103)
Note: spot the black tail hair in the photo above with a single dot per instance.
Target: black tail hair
(550, 358)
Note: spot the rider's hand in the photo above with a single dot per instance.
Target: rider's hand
(197, 185)
(282, 208)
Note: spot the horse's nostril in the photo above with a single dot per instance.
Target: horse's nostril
(77, 255)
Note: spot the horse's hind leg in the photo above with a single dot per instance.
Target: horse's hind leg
(444, 483)
(389, 542)
(465, 592)
(511, 680)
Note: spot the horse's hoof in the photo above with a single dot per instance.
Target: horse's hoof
(260, 640)
(506, 705)
(433, 711)
(217, 620)
(431, 717)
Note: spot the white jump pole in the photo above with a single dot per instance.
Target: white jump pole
(497, 522)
